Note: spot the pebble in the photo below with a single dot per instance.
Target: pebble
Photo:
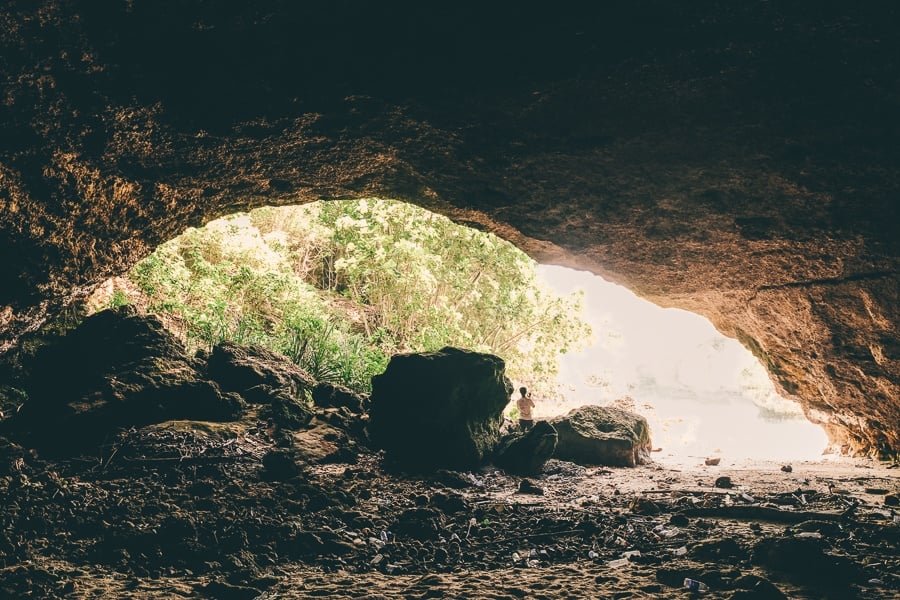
(724, 482)
(526, 486)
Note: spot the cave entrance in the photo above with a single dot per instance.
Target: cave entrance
(340, 286)
(705, 395)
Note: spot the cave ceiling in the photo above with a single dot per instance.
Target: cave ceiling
(739, 160)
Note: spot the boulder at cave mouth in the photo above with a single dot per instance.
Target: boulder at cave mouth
(439, 409)
(601, 435)
(117, 369)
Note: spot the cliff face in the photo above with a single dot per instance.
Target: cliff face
(737, 162)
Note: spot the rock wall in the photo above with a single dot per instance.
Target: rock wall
(737, 161)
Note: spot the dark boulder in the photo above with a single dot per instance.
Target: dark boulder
(600, 435)
(253, 371)
(330, 395)
(718, 550)
(282, 464)
(286, 412)
(754, 587)
(322, 543)
(439, 409)
(526, 486)
(419, 524)
(449, 503)
(804, 561)
(117, 369)
(526, 453)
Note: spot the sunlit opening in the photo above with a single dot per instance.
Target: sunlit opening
(704, 394)
(340, 287)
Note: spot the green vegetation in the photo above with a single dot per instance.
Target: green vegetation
(341, 286)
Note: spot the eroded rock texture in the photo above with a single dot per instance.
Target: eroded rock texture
(735, 159)
(439, 410)
(117, 370)
(602, 435)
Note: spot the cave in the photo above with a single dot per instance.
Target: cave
(738, 162)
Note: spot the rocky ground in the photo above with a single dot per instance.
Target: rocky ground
(113, 486)
(191, 509)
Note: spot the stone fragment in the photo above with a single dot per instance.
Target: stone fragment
(281, 465)
(723, 550)
(439, 409)
(241, 369)
(287, 412)
(526, 453)
(330, 395)
(803, 560)
(757, 588)
(449, 502)
(419, 523)
(724, 482)
(598, 435)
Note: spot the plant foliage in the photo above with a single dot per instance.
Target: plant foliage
(340, 286)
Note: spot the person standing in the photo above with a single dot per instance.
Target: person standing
(525, 404)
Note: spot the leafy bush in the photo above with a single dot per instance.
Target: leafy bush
(341, 286)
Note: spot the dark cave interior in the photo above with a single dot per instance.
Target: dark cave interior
(737, 161)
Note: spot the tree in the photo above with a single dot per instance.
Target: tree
(340, 286)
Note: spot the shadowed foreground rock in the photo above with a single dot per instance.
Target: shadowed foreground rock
(600, 435)
(525, 453)
(439, 409)
(117, 369)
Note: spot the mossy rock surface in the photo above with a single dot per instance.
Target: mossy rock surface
(600, 435)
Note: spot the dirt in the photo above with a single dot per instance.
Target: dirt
(187, 509)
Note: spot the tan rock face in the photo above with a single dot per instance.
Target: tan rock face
(738, 162)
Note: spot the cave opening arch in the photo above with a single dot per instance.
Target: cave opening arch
(663, 419)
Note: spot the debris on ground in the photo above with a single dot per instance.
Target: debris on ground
(724, 482)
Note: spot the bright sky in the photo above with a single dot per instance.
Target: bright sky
(703, 394)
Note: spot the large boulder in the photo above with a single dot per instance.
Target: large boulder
(117, 369)
(601, 435)
(332, 395)
(439, 409)
(255, 372)
(526, 453)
